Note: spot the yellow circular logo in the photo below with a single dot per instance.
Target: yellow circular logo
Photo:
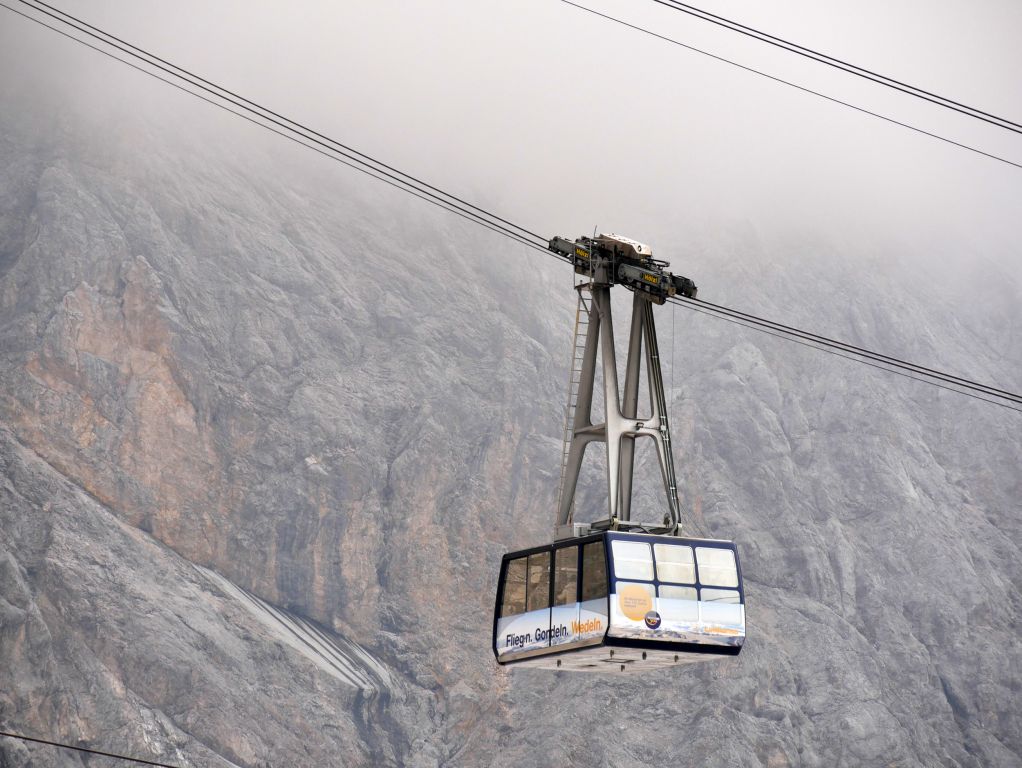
(634, 600)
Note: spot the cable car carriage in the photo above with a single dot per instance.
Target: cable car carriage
(615, 595)
(619, 601)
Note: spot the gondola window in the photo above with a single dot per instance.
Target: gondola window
(566, 575)
(594, 571)
(514, 588)
(675, 564)
(538, 595)
(717, 567)
(632, 560)
(678, 593)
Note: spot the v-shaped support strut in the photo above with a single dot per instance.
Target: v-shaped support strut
(621, 425)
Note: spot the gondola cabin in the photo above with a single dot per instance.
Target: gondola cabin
(616, 601)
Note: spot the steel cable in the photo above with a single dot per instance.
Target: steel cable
(339, 152)
(86, 750)
(467, 210)
(866, 358)
(790, 84)
(841, 65)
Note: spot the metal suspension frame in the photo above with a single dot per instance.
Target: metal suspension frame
(621, 425)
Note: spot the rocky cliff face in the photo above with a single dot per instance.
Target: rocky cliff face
(265, 434)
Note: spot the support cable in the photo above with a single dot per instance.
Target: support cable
(341, 153)
(843, 66)
(307, 137)
(806, 339)
(287, 120)
(861, 351)
(790, 84)
(86, 750)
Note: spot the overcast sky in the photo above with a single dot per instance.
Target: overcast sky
(565, 122)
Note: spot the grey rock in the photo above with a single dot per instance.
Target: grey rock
(241, 399)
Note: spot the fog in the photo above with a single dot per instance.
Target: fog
(566, 123)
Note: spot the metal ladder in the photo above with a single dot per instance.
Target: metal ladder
(574, 380)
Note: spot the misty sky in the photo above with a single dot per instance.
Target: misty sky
(564, 122)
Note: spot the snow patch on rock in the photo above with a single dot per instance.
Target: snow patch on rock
(335, 655)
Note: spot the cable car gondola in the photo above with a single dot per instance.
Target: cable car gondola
(615, 595)
(619, 600)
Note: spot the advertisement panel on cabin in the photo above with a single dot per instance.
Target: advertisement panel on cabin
(638, 615)
(560, 625)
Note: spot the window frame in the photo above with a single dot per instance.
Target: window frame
(684, 541)
(579, 542)
(502, 594)
(610, 579)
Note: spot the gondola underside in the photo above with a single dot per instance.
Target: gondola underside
(619, 659)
